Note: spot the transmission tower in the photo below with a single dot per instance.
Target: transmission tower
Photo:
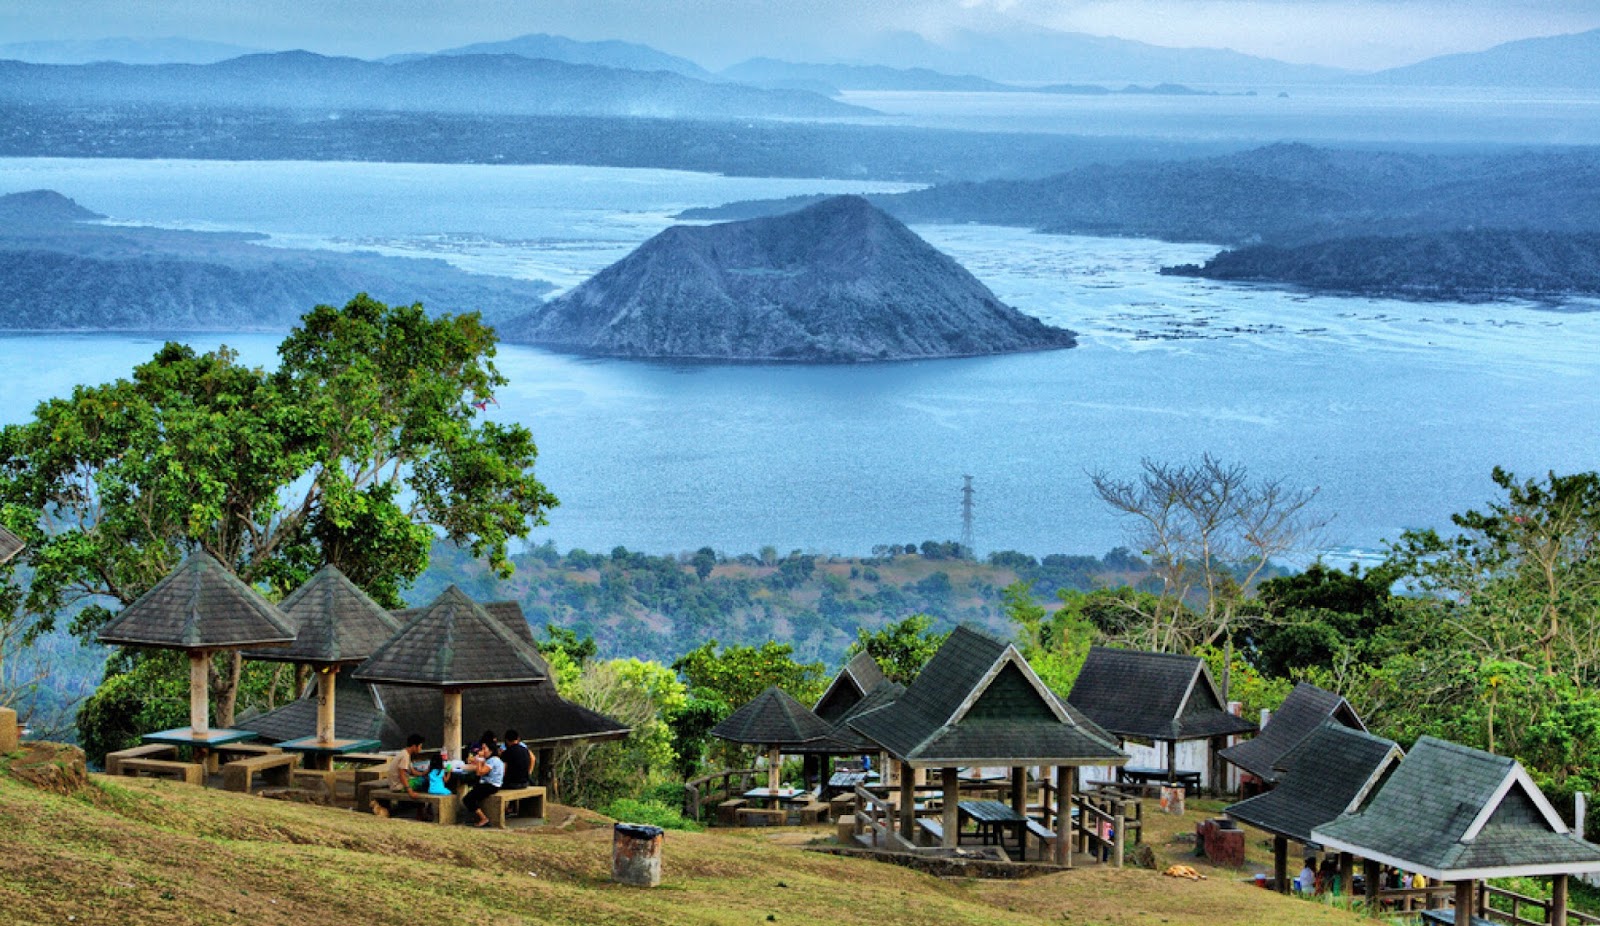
(966, 516)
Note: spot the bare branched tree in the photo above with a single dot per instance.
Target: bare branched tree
(1209, 530)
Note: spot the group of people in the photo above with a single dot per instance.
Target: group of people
(489, 766)
(1324, 879)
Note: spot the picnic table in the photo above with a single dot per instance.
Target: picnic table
(320, 754)
(993, 818)
(1146, 775)
(781, 796)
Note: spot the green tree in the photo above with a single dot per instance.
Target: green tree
(738, 673)
(362, 445)
(1055, 643)
(901, 648)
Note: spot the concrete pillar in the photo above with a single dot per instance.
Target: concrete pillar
(952, 796)
(326, 677)
(1280, 863)
(774, 769)
(199, 691)
(452, 723)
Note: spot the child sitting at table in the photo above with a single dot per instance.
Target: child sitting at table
(438, 776)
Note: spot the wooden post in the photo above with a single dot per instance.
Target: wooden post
(326, 677)
(1558, 900)
(1374, 875)
(199, 692)
(908, 802)
(452, 722)
(774, 769)
(1464, 897)
(1019, 791)
(1064, 815)
(1280, 863)
(1216, 770)
(1119, 834)
(1172, 762)
(952, 797)
(546, 768)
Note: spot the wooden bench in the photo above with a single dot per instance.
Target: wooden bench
(727, 811)
(444, 805)
(1045, 834)
(114, 760)
(813, 812)
(327, 781)
(761, 816)
(932, 828)
(494, 806)
(192, 773)
(845, 829)
(275, 768)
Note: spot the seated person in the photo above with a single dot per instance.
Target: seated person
(438, 780)
(1307, 881)
(491, 772)
(518, 759)
(400, 773)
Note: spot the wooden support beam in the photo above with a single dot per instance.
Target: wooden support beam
(452, 723)
(1280, 863)
(1558, 900)
(545, 769)
(775, 769)
(326, 676)
(1374, 875)
(908, 802)
(1019, 791)
(952, 795)
(200, 691)
(1464, 901)
(1064, 789)
(1172, 762)
(1347, 871)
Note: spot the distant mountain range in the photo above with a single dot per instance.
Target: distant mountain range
(832, 78)
(59, 270)
(506, 84)
(1569, 61)
(839, 281)
(170, 50)
(609, 54)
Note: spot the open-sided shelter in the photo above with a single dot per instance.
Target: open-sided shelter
(453, 645)
(1459, 814)
(1161, 697)
(859, 676)
(337, 625)
(10, 545)
(979, 703)
(1302, 713)
(775, 721)
(202, 608)
(1336, 769)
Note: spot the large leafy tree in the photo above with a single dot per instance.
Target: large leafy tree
(365, 443)
(901, 648)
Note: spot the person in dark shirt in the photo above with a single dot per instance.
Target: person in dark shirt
(518, 759)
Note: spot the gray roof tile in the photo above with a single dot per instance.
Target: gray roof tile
(859, 676)
(843, 740)
(358, 715)
(772, 718)
(974, 704)
(1156, 696)
(454, 643)
(199, 605)
(537, 712)
(1421, 818)
(335, 622)
(1335, 765)
(1305, 710)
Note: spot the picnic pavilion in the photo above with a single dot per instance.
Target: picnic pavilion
(1332, 772)
(453, 645)
(1160, 697)
(1461, 815)
(979, 703)
(337, 627)
(776, 722)
(10, 545)
(201, 608)
(858, 677)
(1302, 714)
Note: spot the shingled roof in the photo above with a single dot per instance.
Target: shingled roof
(1302, 713)
(843, 740)
(859, 676)
(10, 545)
(335, 622)
(1455, 813)
(772, 718)
(978, 702)
(361, 716)
(454, 643)
(537, 712)
(1155, 696)
(1338, 768)
(199, 605)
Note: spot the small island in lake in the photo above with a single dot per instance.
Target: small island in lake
(836, 282)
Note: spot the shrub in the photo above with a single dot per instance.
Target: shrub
(650, 813)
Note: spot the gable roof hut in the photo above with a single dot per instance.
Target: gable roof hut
(200, 607)
(1459, 814)
(1336, 770)
(775, 720)
(10, 545)
(454, 644)
(1162, 697)
(978, 702)
(1302, 713)
(336, 625)
(858, 677)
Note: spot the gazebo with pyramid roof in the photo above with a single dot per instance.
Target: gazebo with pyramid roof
(978, 702)
(454, 644)
(337, 625)
(202, 608)
(10, 545)
(773, 720)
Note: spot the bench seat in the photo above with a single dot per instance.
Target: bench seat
(933, 828)
(494, 806)
(275, 768)
(1045, 834)
(192, 773)
(114, 760)
(727, 811)
(444, 805)
(761, 816)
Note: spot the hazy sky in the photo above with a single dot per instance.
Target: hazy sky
(1363, 34)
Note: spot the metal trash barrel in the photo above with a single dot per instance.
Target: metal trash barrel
(636, 854)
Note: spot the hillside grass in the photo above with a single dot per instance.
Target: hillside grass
(148, 852)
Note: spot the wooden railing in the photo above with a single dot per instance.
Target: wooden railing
(1522, 910)
(698, 792)
(878, 814)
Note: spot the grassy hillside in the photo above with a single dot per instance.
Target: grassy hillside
(145, 852)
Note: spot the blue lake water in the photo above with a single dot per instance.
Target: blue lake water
(1396, 411)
